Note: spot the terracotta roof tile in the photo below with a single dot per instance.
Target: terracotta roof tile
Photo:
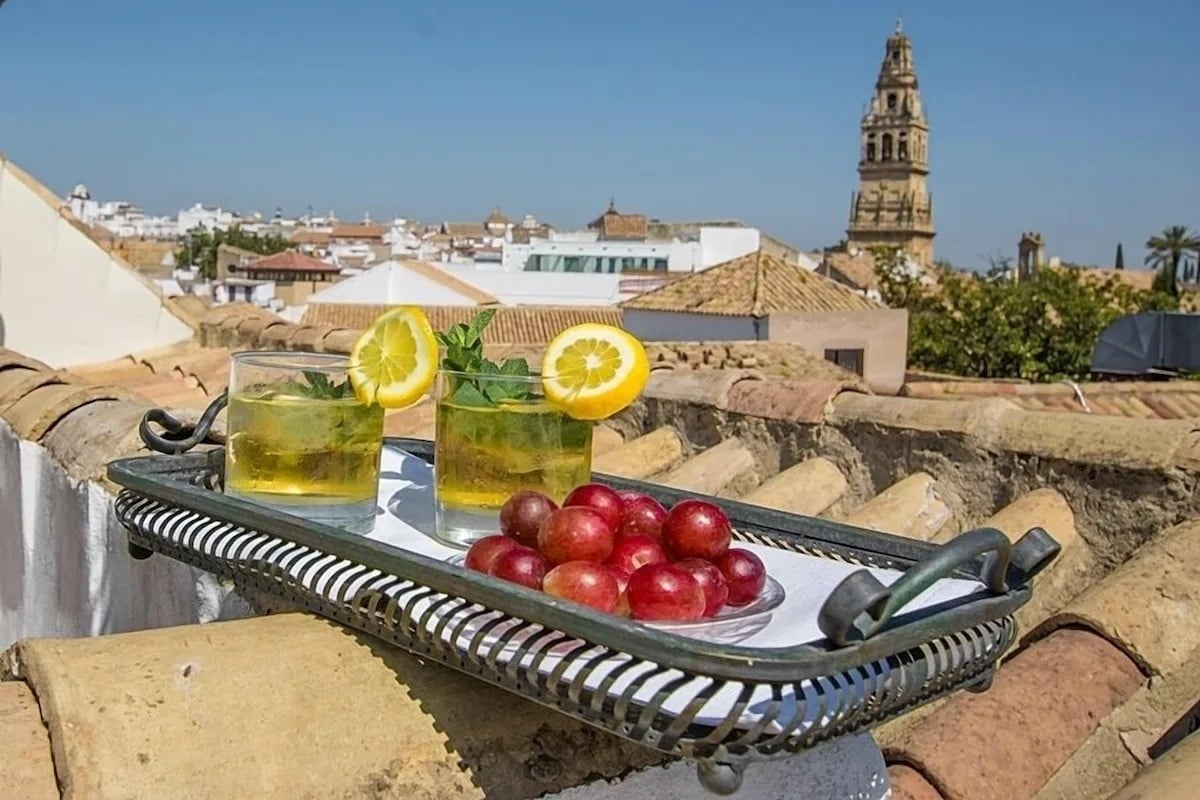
(189, 308)
(1005, 743)
(612, 224)
(1156, 629)
(511, 325)
(855, 269)
(33, 415)
(16, 382)
(288, 261)
(1179, 399)
(11, 358)
(465, 230)
(352, 230)
(756, 285)
(306, 236)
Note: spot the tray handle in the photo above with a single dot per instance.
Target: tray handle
(179, 437)
(861, 605)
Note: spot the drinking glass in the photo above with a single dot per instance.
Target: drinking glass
(299, 440)
(497, 434)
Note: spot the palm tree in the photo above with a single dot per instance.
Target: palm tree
(1166, 251)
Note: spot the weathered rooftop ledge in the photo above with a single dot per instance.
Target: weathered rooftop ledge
(1110, 629)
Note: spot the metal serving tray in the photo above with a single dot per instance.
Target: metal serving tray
(724, 704)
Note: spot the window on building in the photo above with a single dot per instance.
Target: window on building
(902, 147)
(891, 101)
(660, 264)
(895, 55)
(887, 147)
(870, 147)
(849, 359)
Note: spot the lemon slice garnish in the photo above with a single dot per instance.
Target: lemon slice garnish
(395, 360)
(592, 371)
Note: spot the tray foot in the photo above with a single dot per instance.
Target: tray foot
(138, 552)
(982, 683)
(720, 777)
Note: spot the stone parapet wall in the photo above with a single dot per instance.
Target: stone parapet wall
(1126, 478)
(985, 388)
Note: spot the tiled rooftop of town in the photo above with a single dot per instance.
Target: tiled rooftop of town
(1103, 682)
(756, 284)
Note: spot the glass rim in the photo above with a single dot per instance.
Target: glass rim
(532, 378)
(292, 360)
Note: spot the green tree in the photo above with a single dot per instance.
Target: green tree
(989, 326)
(199, 246)
(1167, 249)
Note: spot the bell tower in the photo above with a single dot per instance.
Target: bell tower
(892, 205)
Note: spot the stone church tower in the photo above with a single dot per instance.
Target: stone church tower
(892, 205)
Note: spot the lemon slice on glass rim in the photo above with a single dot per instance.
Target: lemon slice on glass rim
(394, 362)
(592, 371)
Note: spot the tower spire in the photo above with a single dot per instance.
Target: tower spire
(894, 207)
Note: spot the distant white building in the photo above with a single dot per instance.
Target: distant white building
(542, 288)
(615, 243)
(403, 282)
(201, 216)
(246, 290)
(118, 217)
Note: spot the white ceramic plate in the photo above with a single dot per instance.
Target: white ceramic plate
(730, 625)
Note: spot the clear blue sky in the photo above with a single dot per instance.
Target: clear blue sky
(1079, 118)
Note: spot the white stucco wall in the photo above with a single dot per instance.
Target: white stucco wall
(392, 282)
(63, 298)
(65, 570)
(725, 244)
(543, 288)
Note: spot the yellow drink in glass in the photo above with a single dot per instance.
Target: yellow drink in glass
(486, 451)
(299, 442)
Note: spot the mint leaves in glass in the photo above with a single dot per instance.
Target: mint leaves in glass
(496, 435)
(299, 440)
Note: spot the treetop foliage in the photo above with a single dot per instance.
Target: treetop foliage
(993, 326)
(199, 247)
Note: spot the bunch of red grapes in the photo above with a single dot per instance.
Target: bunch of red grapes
(622, 553)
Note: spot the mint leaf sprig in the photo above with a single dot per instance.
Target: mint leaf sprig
(464, 353)
(315, 386)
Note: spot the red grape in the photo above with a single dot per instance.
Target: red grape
(712, 582)
(522, 515)
(744, 573)
(696, 529)
(601, 499)
(584, 582)
(575, 533)
(485, 551)
(621, 575)
(664, 592)
(643, 515)
(522, 565)
(630, 553)
(629, 495)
